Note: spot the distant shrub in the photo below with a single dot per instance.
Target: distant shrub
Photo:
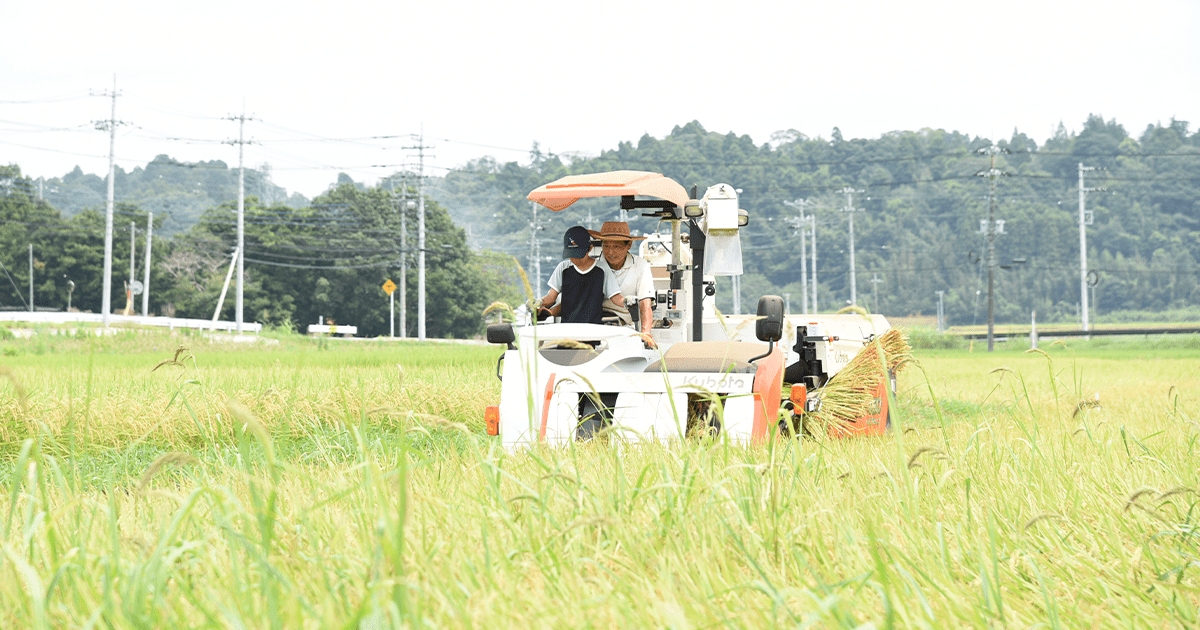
(931, 339)
(1190, 341)
(1169, 316)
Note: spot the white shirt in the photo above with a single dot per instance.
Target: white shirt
(634, 277)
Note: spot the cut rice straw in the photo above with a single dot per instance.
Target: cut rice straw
(850, 394)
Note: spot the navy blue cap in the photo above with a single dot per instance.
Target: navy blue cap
(577, 242)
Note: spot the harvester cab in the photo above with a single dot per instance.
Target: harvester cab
(711, 374)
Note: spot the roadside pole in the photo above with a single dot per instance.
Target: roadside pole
(389, 287)
(146, 272)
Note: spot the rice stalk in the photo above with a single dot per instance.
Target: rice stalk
(529, 294)
(177, 360)
(912, 460)
(1132, 500)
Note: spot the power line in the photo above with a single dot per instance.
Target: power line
(268, 263)
(70, 96)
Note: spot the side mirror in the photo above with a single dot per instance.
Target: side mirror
(501, 333)
(769, 325)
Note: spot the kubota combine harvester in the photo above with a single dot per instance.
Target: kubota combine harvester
(711, 374)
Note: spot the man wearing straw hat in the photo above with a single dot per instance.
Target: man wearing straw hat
(632, 272)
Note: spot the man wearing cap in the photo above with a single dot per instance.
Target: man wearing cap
(632, 273)
(582, 283)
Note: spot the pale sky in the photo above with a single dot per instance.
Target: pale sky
(490, 78)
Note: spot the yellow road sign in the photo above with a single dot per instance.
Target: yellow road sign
(389, 286)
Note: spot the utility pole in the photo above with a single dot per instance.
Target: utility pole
(421, 240)
(420, 148)
(812, 218)
(875, 280)
(941, 312)
(850, 210)
(1085, 219)
(403, 205)
(408, 205)
(132, 253)
(146, 281)
(241, 211)
(132, 268)
(110, 126)
(535, 249)
(32, 308)
(800, 223)
(990, 229)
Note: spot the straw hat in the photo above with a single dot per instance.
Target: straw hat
(614, 231)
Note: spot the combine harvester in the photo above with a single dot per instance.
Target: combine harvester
(712, 374)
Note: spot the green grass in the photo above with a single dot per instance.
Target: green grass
(338, 490)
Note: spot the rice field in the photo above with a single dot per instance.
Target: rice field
(301, 483)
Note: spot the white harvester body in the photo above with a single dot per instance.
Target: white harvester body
(710, 372)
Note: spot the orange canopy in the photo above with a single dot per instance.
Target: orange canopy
(567, 190)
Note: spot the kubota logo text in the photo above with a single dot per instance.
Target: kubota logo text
(715, 382)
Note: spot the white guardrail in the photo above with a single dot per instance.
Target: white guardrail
(170, 323)
(331, 329)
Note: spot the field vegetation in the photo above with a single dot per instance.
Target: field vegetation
(155, 480)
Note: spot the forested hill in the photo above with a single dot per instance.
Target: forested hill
(922, 202)
(179, 192)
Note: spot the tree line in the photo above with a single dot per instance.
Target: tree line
(326, 260)
(922, 204)
(918, 233)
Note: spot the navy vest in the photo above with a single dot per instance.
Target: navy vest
(582, 295)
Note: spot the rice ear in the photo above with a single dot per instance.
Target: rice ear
(172, 459)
